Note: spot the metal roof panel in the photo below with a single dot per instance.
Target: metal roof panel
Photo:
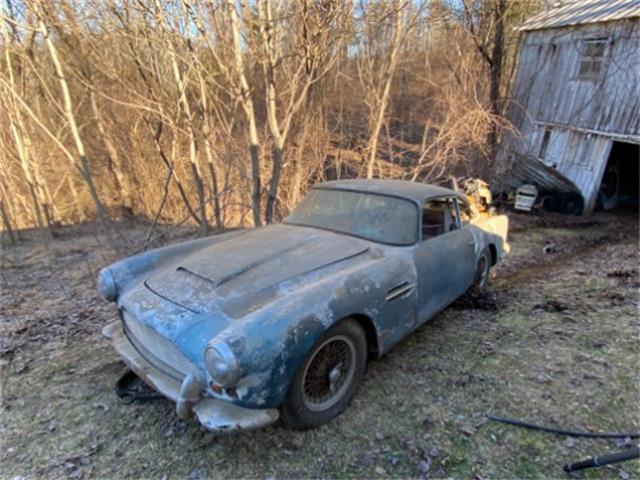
(578, 12)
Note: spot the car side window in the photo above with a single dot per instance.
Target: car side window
(439, 216)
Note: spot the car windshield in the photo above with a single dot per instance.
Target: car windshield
(374, 217)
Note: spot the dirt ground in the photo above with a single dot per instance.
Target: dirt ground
(556, 343)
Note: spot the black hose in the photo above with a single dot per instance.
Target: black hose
(602, 460)
(559, 431)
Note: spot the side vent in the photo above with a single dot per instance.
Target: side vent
(399, 291)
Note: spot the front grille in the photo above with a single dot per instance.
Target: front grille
(158, 351)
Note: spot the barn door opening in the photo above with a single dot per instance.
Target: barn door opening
(620, 187)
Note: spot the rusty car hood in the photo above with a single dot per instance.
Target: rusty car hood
(244, 266)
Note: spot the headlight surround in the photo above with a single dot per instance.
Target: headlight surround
(107, 285)
(221, 364)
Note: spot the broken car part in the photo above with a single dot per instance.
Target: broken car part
(127, 389)
(526, 197)
(477, 191)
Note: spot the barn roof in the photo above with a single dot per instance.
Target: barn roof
(578, 12)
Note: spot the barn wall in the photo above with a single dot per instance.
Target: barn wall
(583, 115)
(550, 90)
(580, 157)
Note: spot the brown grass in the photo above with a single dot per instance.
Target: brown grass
(556, 344)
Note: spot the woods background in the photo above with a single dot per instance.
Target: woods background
(223, 113)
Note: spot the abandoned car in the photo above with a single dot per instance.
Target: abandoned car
(250, 326)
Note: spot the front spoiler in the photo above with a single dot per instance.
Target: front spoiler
(215, 415)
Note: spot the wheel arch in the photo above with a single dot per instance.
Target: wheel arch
(494, 254)
(371, 333)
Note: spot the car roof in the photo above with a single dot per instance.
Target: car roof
(418, 192)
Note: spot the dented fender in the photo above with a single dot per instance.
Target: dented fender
(491, 230)
(272, 343)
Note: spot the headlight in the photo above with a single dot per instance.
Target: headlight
(107, 285)
(222, 364)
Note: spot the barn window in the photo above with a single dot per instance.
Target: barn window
(546, 137)
(592, 56)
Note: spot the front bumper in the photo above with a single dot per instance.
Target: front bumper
(215, 415)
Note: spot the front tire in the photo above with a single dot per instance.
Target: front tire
(329, 377)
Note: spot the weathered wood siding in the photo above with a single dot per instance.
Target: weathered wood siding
(583, 115)
(549, 88)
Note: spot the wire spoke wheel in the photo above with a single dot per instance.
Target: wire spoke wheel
(329, 374)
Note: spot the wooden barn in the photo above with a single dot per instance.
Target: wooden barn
(576, 101)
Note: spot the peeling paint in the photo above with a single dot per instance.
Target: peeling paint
(271, 293)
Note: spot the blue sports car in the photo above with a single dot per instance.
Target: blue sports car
(247, 327)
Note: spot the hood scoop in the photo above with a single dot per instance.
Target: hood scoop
(184, 288)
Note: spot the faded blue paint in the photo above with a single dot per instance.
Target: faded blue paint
(271, 293)
(128, 271)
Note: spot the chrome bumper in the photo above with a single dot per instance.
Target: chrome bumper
(215, 415)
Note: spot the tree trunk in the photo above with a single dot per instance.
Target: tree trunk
(163, 156)
(273, 184)
(115, 163)
(496, 71)
(186, 108)
(8, 230)
(76, 198)
(83, 165)
(247, 106)
(217, 211)
(26, 169)
(383, 100)
(44, 195)
(22, 143)
(377, 126)
(207, 132)
(254, 153)
(266, 26)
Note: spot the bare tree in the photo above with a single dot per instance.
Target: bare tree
(182, 85)
(242, 94)
(82, 48)
(21, 137)
(485, 23)
(83, 162)
(385, 29)
(170, 109)
(292, 66)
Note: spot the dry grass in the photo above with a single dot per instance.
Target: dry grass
(557, 344)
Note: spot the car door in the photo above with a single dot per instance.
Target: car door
(445, 258)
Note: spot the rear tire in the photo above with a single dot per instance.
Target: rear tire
(571, 203)
(550, 202)
(481, 278)
(329, 377)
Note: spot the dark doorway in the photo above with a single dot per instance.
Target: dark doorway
(620, 185)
